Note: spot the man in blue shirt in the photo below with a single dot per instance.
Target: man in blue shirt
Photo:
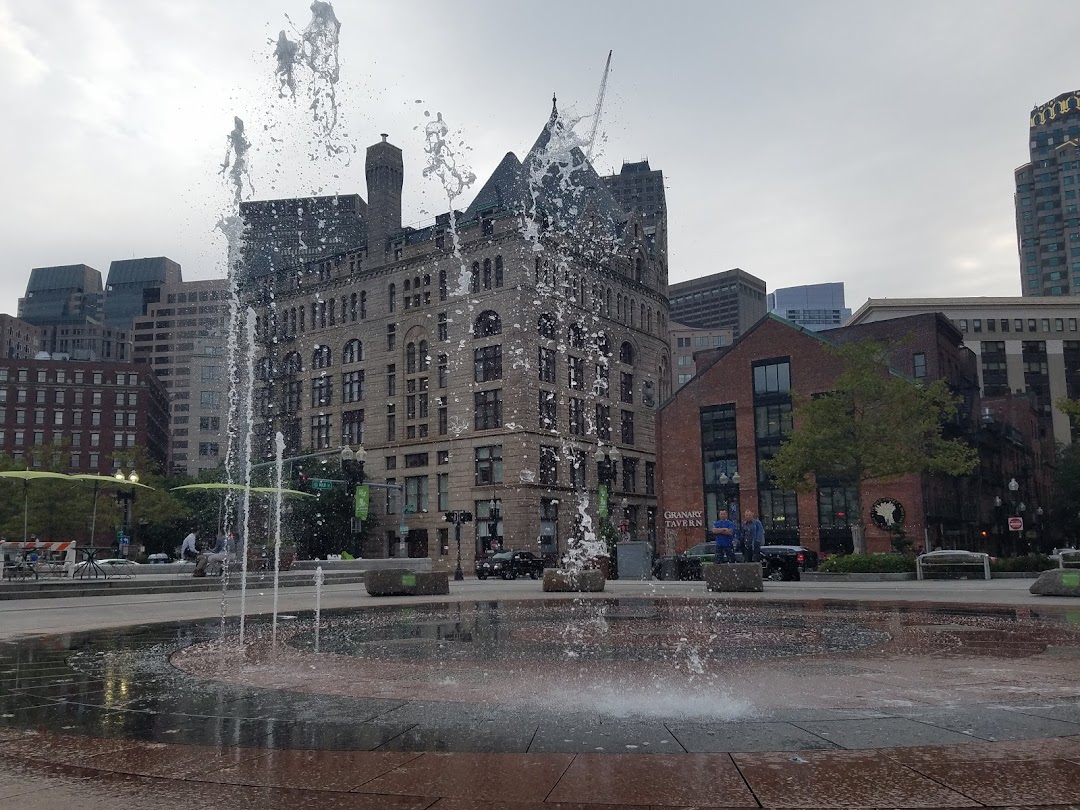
(753, 536)
(724, 532)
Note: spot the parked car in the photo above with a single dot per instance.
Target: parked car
(787, 562)
(510, 565)
(158, 559)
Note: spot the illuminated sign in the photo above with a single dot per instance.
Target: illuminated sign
(1057, 108)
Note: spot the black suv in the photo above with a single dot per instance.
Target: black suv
(787, 562)
(510, 565)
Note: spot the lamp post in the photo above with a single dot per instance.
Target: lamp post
(457, 518)
(726, 482)
(494, 517)
(606, 465)
(124, 499)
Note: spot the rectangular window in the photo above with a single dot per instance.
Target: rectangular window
(489, 465)
(321, 391)
(626, 427)
(919, 362)
(602, 384)
(626, 387)
(352, 427)
(487, 409)
(391, 337)
(772, 378)
(391, 421)
(650, 478)
(320, 431)
(629, 474)
(549, 466)
(211, 423)
(416, 459)
(210, 399)
(546, 364)
(976, 325)
(352, 386)
(442, 483)
(487, 363)
(416, 493)
(443, 331)
(603, 422)
(575, 373)
(576, 416)
(548, 410)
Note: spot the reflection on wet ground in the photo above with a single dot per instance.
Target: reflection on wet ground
(632, 702)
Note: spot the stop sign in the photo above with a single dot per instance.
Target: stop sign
(1016, 524)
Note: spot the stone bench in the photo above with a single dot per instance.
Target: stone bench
(559, 580)
(733, 577)
(952, 558)
(405, 582)
(1068, 558)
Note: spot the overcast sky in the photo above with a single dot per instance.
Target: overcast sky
(802, 141)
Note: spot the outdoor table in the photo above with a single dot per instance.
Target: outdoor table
(90, 558)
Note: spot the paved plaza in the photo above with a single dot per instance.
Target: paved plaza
(906, 694)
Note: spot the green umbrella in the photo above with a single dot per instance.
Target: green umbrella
(241, 488)
(26, 476)
(111, 480)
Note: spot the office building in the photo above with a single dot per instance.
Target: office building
(183, 339)
(733, 300)
(133, 284)
(639, 188)
(1047, 218)
(1025, 346)
(812, 306)
(484, 380)
(684, 341)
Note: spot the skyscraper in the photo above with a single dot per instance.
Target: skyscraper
(1047, 218)
(733, 300)
(811, 306)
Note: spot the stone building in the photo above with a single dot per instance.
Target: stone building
(685, 341)
(482, 372)
(18, 338)
(732, 299)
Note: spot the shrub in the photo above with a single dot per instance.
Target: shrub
(1026, 562)
(868, 564)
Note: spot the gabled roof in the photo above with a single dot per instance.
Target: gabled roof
(554, 181)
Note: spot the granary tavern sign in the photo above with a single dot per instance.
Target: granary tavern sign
(684, 520)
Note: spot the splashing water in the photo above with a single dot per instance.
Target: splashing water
(316, 51)
(235, 165)
(279, 455)
(444, 163)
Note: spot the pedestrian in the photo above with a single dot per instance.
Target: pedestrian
(188, 551)
(753, 536)
(724, 532)
(215, 555)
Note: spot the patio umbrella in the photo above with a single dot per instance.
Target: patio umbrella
(26, 476)
(241, 488)
(98, 480)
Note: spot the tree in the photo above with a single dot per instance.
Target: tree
(873, 425)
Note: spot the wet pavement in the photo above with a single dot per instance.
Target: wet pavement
(460, 704)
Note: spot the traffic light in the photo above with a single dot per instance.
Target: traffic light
(303, 483)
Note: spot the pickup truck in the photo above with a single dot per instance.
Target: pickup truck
(510, 565)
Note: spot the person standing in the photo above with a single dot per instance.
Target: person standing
(724, 532)
(753, 536)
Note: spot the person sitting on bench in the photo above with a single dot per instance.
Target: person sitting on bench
(216, 555)
(188, 550)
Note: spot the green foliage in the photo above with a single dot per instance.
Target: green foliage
(868, 564)
(1025, 562)
(1064, 517)
(320, 525)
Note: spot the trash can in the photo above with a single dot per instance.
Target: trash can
(635, 559)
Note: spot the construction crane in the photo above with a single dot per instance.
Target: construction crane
(599, 107)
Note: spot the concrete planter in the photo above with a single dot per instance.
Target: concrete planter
(559, 580)
(404, 582)
(814, 576)
(733, 577)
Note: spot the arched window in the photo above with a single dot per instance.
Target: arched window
(618, 307)
(320, 358)
(352, 307)
(443, 292)
(424, 360)
(292, 321)
(626, 353)
(603, 344)
(333, 301)
(641, 318)
(576, 336)
(393, 297)
(266, 369)
(408, 286)
(545, 325)
(322, 314)
(363, 304)
(487, 274)
(410, 358)
(637, 269)
(649, 313)
(498, 271)
(292, 364)
(302, 310)
(607, 303)
(353, 352)
(487, 323)
(474, 284)
(633, 308)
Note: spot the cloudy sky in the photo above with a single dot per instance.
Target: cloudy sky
(803, 141)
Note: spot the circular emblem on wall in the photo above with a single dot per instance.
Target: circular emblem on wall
(887, 513)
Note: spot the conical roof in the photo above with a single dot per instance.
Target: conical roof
(504, 189)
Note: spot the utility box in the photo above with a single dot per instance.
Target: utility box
(635, 559)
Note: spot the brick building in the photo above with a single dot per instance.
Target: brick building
(18, 338)
(96, 408)
(485, 377)
(739, 407)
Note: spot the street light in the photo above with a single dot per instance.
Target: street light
(606, 461)
(124, 499)
(494, 516)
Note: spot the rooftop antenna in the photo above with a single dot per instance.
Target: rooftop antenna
(599, 108)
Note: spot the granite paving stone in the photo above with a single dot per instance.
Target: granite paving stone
(990, 723)
(614, 737)
(333, 736)
(882, 732)
(312, 770)
(1032, 782)
(655, 779)
(730, 737)
(841, 779)
(491, 777)
(1067, 712)
(506, 735)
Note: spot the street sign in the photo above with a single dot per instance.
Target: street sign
(403, 529)
(321, 483)
(1016, 524)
